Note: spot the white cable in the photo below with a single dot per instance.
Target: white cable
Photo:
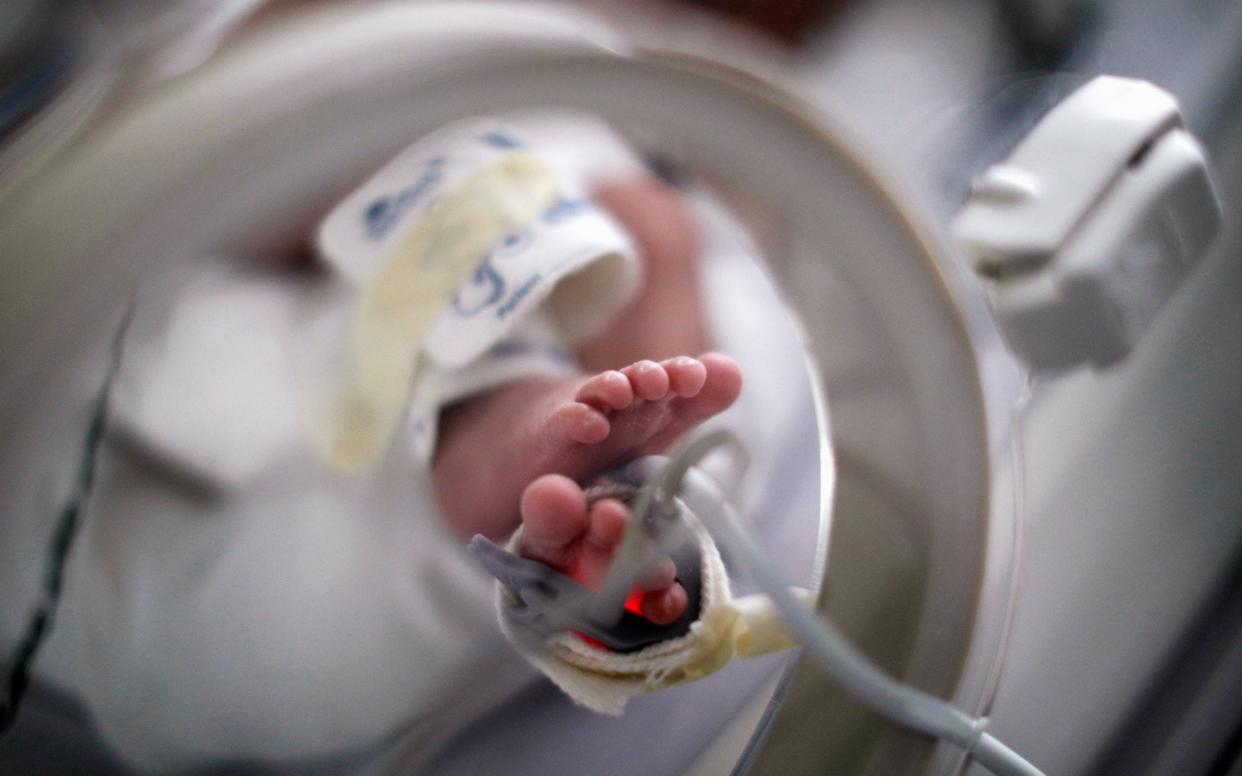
(905, 705)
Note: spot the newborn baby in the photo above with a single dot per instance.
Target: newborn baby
(540, 438)
(232, 596)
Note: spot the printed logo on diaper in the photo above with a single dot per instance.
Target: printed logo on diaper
(519, 274)
(501, 139)
(358, 234)
(489, 290)
(382, 214)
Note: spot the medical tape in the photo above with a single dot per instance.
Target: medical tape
(416, 283)
(726, 628)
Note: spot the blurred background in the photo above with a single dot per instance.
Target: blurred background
(1124, 647)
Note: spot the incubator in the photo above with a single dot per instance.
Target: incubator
(996, 356)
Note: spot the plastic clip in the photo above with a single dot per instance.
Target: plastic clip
(548, 602)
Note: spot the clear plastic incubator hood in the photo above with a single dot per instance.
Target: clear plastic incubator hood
(912, 353)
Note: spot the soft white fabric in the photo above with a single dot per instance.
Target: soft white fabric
(275, 611)
(605, 681)
(230, 596)
(546, 284)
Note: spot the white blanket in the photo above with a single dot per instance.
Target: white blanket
(231, 595)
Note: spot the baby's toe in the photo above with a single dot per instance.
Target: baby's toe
(606, 391)
(686, 375)
(554, 516)
(659, 578)
(580, 423)
(605, 526)
(607, 523)
(649, 380)
(723, 382)
(665, 607)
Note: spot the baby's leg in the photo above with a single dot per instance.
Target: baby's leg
(561, 530)
(493, 446)
(666, 315)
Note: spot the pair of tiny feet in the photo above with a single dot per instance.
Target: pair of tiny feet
(644, 407)
(580, 429)
(531, 443)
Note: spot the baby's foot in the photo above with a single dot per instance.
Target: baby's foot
(561, 530)
(495, 445)
(631, 408)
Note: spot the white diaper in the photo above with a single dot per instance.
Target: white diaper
(230, 340)
(452, 247)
